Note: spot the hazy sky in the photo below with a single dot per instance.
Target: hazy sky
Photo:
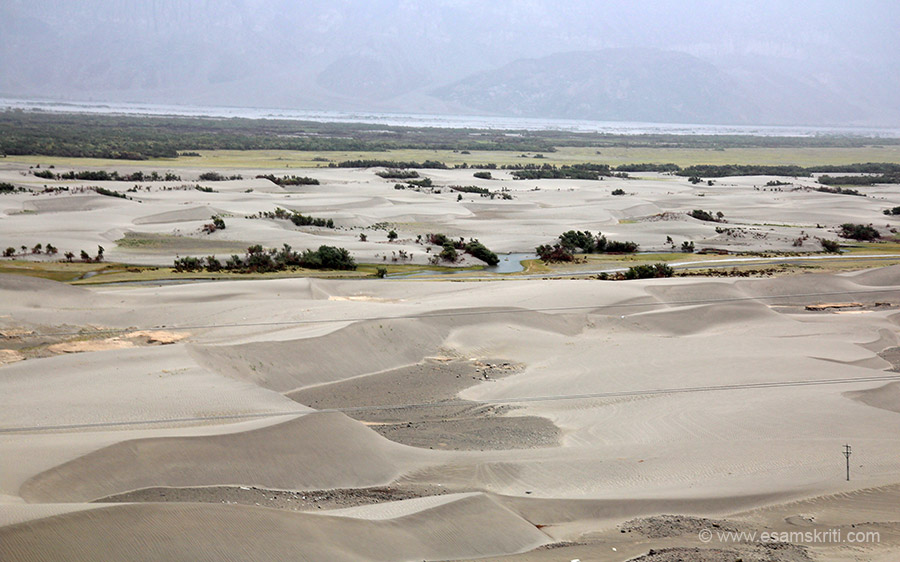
(195, 51)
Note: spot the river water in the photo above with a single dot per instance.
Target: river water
(442, 121)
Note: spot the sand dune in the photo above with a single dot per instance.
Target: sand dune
(706, 398)
(377, 346)
(291, 455)
(125, 385)
(180, 215)
(886, 397)
(153, 532)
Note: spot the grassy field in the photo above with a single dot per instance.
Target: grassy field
(287, 159)
(172, 244)
(58, 271)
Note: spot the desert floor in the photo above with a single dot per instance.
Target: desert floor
(503, 417)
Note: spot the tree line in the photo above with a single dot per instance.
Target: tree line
(260, 260)
(145, 137)
(103, 175)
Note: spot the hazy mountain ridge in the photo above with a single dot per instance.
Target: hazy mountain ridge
(659, 86)
(610, 85)
(620, 61)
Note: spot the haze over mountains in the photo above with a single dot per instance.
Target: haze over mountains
(698, 62)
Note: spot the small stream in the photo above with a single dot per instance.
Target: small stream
(509, 263)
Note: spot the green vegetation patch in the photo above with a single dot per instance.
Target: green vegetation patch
(149, 241)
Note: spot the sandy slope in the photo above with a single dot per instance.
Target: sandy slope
(200, 532)
(746, 453)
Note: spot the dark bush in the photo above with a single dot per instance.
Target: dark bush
(393, 173)
(647, 271)
(616, 247)
(576, 239)
(481, 252)
(216, 176)
(289, 180)
(555, 253)
(702, 215)
(859, 232)
(831, 246)
(448, 253)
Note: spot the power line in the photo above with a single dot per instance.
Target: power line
(457, 402)
(456, 313)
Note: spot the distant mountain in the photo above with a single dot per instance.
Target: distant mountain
(733, 65)
(657, 86)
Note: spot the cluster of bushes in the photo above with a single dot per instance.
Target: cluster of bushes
(648, 167)
(618, 191)
(6, 187)
(216, 176)
(450, 249)
(479, 251)
(866, 168)
(103, 175)
(723, 170)
(554, 254)
(288, 180)
(109, 192)
(657, 270)
(892, 211)
(831, 246)
(576, 240)
(218, 223)
(648, 271)
(702, 215)
(413, 184)
(861, 232)
(427, 164)
(840, 191)
(397, 174)
(259, 260)
(424, 182)
(483, 175)
(297, 218)
(889, 172)
(484, 192)
(860, 180)
(549, 171)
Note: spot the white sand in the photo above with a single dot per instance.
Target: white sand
(358, 199)
(108, 422)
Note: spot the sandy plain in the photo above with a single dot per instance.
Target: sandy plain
(409, 419)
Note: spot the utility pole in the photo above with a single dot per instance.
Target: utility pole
(847, 454)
